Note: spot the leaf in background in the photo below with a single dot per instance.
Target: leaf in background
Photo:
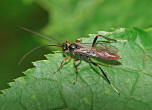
(40, 89)
(70, 19)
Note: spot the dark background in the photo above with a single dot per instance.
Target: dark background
(14, 42)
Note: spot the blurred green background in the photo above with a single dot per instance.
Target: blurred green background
(59, 20)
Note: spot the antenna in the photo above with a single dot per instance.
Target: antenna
(34, 49)
(38, 34)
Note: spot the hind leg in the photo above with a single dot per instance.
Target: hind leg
(104, 75)
(107, 38)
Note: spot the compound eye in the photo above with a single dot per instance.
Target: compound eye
(64, 47)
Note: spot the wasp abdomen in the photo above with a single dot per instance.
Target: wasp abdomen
(98, 54)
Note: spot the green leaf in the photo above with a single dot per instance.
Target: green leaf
(40, 89)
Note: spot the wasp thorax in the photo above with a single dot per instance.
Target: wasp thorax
(73, 46)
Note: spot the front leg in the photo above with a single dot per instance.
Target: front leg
(61, 64)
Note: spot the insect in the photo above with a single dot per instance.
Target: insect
(81, 50)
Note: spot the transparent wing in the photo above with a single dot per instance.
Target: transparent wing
(107, 47)
(102, 46)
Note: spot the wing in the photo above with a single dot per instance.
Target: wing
(107, 48)
(104, 46)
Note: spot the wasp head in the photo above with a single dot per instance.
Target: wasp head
(64, 47)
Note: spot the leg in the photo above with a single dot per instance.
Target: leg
(104, 75)
(76, 69)
(77, 41)
(95, 39)
(67, 41)
(62, 64)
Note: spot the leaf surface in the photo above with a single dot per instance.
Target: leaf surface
(40, 89)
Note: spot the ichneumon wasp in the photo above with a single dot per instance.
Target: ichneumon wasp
(81, 50)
